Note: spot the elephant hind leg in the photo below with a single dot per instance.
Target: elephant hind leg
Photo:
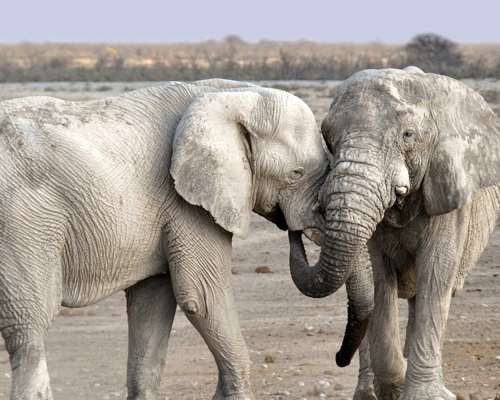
(30, 378)
(151, 309)
(28, 305)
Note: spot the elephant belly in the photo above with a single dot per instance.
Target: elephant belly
(106, 260)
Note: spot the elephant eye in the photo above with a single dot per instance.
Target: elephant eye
(408, 134)
(297, 173)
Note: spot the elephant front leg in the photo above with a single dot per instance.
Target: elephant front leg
(364, 388)
(386, 356)
(151, 309)
(410, 327)
(435, 272)
(201, 276)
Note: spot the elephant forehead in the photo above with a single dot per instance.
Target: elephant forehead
(381, 111)
(298, 117)
(396, 84)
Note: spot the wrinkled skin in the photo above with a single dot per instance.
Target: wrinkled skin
(415, 179)
(143, 192)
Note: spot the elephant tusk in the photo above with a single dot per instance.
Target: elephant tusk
(314, 235)
(401, 190)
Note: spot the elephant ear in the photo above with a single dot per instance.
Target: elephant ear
(211, 160)
(466, 157)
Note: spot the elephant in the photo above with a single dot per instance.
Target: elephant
(143, 192)
(414, 194)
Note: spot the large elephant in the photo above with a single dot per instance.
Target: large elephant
(414, 191)
(143, 192)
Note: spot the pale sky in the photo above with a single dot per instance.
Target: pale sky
(356, 21)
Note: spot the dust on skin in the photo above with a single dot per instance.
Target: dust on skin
(87, 350)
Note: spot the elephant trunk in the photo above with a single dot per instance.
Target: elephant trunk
(351, 219)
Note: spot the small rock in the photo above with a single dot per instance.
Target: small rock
(270, 359)
(264, 366)
(301, 383)
(318, 391)
(322, 331)
(308, 328)
(4, 358)
(264, 270)
(460, 397)
(235, 271)
(7, 375)
(338, 386)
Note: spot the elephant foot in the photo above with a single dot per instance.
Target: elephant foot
(245, 394)
(427, 391)
(34, 395)
(388, 390)
(143, 395)
(365, 390)
(248, 396)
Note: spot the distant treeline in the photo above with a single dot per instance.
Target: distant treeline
(233, 58)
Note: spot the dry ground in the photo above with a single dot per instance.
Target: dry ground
(87, 348)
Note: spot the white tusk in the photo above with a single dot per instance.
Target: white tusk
(401, 190)
(314, 235)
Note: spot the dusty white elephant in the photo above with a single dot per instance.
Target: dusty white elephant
(143, 192)
(414, 192)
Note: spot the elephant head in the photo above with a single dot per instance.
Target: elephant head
(402, 142)
(250, 148)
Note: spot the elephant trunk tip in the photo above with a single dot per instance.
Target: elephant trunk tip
(341, 360)
(354, 335)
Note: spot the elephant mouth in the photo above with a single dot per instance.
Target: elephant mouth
(276, 216)
(314, 235)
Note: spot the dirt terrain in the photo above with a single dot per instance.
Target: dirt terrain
(292, 339)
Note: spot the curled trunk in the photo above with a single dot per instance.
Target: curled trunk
(359, 285)
(351, 220)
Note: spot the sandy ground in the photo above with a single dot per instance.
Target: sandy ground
(87, 348)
